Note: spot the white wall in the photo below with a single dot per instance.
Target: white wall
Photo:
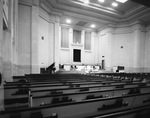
(46, 45)
(43, 42)
(124, 45)
(33, 51)
(122, 50)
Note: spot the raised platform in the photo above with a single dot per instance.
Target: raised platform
(63, 71)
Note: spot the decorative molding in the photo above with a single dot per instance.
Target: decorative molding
(77, 45)
(65, 49)
(88, 51)
(25, 2)
(46, 7)
(128, 27)
(36, 2)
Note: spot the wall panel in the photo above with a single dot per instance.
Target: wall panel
(51, 43)
(24, 39)
(43, 42)
(65, 56)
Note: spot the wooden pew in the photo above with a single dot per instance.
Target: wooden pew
(83, 88)
(49, 99)
(12, 91)
(22, 93)
(18, 78)
(86, 108)
(58, 90)
(25, 89)
(142, 112)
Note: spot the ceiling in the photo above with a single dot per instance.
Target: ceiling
(100, 14)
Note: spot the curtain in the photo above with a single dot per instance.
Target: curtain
(87, 42)
(64, 37)
(77, 36)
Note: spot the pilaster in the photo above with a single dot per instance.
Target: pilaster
(34, 37)
(1, 56)
(56, 43)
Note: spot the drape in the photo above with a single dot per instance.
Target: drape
(76, 36)
(87, 41)
(64, 37)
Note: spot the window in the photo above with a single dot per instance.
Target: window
(64, 37)
(76, 36)
(87, 42)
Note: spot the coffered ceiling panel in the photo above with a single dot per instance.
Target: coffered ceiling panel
(98, 13)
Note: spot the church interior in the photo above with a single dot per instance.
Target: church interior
(74, 59)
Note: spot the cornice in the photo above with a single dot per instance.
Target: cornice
(30, 2)
(46, 6)
(136, 15)
(77, 28)
(132, 26)
(89, 16)
(25, 2)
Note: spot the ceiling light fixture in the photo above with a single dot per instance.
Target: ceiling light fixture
(93, 26)
(86, 1)
(114, 4)
(68, 21)
(122, 1)
(101, 1)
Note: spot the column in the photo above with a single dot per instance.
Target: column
(82, 48)
(108, 62)
(70, 44)
(147, 51)
(136, 49)
(8, 37)
(15, 39)
(34, 38)
(56, 43)
(1, 56)
(95, 48)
